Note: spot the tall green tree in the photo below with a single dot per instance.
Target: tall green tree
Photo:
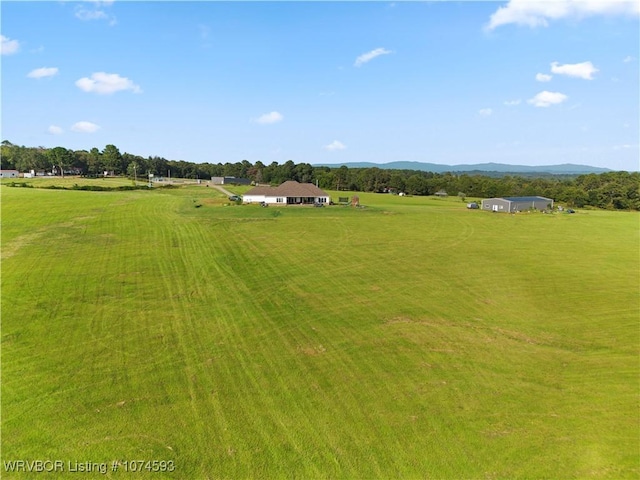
(60, 158)
(95, 167)
(112, 159)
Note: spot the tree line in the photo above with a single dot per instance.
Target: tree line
(610, 190)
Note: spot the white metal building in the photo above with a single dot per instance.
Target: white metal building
(516, 204)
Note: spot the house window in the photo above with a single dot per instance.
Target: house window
(279, 200)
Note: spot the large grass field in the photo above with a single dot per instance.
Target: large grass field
(412, 338)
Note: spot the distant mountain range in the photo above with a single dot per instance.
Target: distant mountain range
(565, 168)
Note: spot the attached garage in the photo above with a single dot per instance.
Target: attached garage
(516, 204)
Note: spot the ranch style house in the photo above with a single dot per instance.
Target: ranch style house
(516, 204)
(288, 193)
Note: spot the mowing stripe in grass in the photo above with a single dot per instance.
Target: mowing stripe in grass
(412, 338)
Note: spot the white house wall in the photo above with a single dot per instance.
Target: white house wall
(253, 198)
(273, 200)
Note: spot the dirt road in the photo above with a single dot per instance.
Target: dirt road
(223, 190)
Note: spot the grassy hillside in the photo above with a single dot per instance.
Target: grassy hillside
(409, 339)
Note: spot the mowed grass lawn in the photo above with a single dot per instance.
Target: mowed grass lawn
(412, 338)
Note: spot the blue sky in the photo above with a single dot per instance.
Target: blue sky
(327, 82)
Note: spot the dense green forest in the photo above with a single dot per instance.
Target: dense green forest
(611, 190)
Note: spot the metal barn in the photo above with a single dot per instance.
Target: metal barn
(516, 204)
(230, 181)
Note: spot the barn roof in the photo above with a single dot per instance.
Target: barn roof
(525, 199)
(290, 188)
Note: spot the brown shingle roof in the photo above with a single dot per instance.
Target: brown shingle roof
(261, 190)
(290, 188)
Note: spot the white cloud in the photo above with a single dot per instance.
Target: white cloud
(624, 147)
(9, 46)
(85, 127)
(513, 103)
(546, 99)
(95, 12)
(106, 3)
(580, 70)
(106, 83)
(543, 77)
(43, 72)
(269, 118)
(335, 145)
(55, 130)
(367, 57)
(485, 112)
(628, 59)
(539, 13)
(85, 14)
